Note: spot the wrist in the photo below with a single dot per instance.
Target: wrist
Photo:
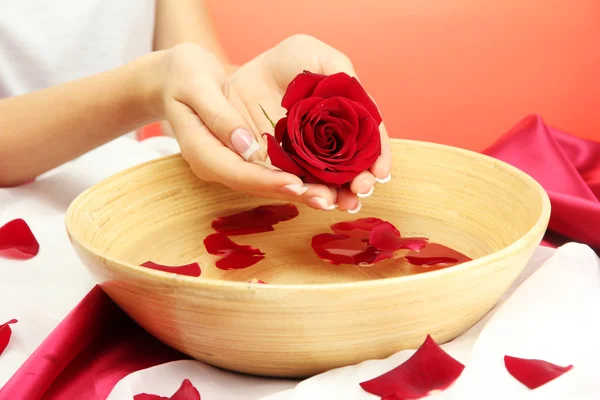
(148, 79)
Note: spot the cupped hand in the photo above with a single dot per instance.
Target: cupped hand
(263, 81)
(215, 134)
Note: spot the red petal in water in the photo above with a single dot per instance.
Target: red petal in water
(186, 391)
(533, 373)
(357, 228)
(192, 269)
(238, 261)
(385, 236)
(235, 256)
(428, 371)
(344, 249)
(436, 255)
(431, 261)
(16, 236)
(5, 333)
(220, 245)
(256, 220)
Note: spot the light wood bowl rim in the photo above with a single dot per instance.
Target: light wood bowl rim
(520, 244)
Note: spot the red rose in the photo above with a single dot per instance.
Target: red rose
(330, 133)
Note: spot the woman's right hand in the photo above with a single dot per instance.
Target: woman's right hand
(212, 126)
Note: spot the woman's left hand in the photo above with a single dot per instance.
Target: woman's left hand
(264, 81)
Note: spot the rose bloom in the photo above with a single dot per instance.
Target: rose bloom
(330, 133)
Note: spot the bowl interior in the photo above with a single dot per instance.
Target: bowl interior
(161, 212)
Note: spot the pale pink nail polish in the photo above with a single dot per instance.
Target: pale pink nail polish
(355, 209)
(244, 143)
(370, 192)
(319, 202)
(384, 180)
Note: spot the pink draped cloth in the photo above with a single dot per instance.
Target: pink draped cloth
(567, 167)
(96, 345)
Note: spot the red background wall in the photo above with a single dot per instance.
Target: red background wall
(459, 72)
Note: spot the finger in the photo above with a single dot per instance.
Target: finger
(237, 102)
(274, 112)
(363, 184)
(348, 201)
(320, 197)
(207, 99)
(383, 166)
(211, 160)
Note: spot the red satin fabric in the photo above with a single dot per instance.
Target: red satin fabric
(93, 348)
(97, 344)
(567, 167)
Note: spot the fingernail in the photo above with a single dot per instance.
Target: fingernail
(355, 209)
(384, 180)
(370, 192)
(244, 143)
(295, 189)
(319, 202)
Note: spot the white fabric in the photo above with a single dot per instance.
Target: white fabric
(550, 312)
(44, 43)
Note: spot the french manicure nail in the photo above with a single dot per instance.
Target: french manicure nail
(244, 143)
(384, 180)
(319, 202)
(370, 192)
(355, 209)
(295, 189)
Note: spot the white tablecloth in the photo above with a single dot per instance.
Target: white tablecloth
(551, 312)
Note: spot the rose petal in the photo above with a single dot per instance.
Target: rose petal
(186, 391)
(145, 396)
(330, 178)
(385, 236)
(5, 334)
(533, 373)
(235, 256)
(301, 87)
(343, 85)
(256, 220)
(361, 224)
(344, 249)
(429, 370)
(280, 129)
(295, 142)
(238, 261)
(192, 269)
(281, 159)
(435, 254)
(220, 245)
(431, 261)
(16, 235)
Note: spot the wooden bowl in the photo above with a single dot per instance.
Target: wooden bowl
(311, 316)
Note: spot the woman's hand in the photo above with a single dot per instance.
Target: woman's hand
(213, 128)
(264, 81)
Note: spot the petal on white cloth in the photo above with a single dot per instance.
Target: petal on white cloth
(212, 383)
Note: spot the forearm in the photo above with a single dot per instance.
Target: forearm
(44, 129)
(186, 21)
